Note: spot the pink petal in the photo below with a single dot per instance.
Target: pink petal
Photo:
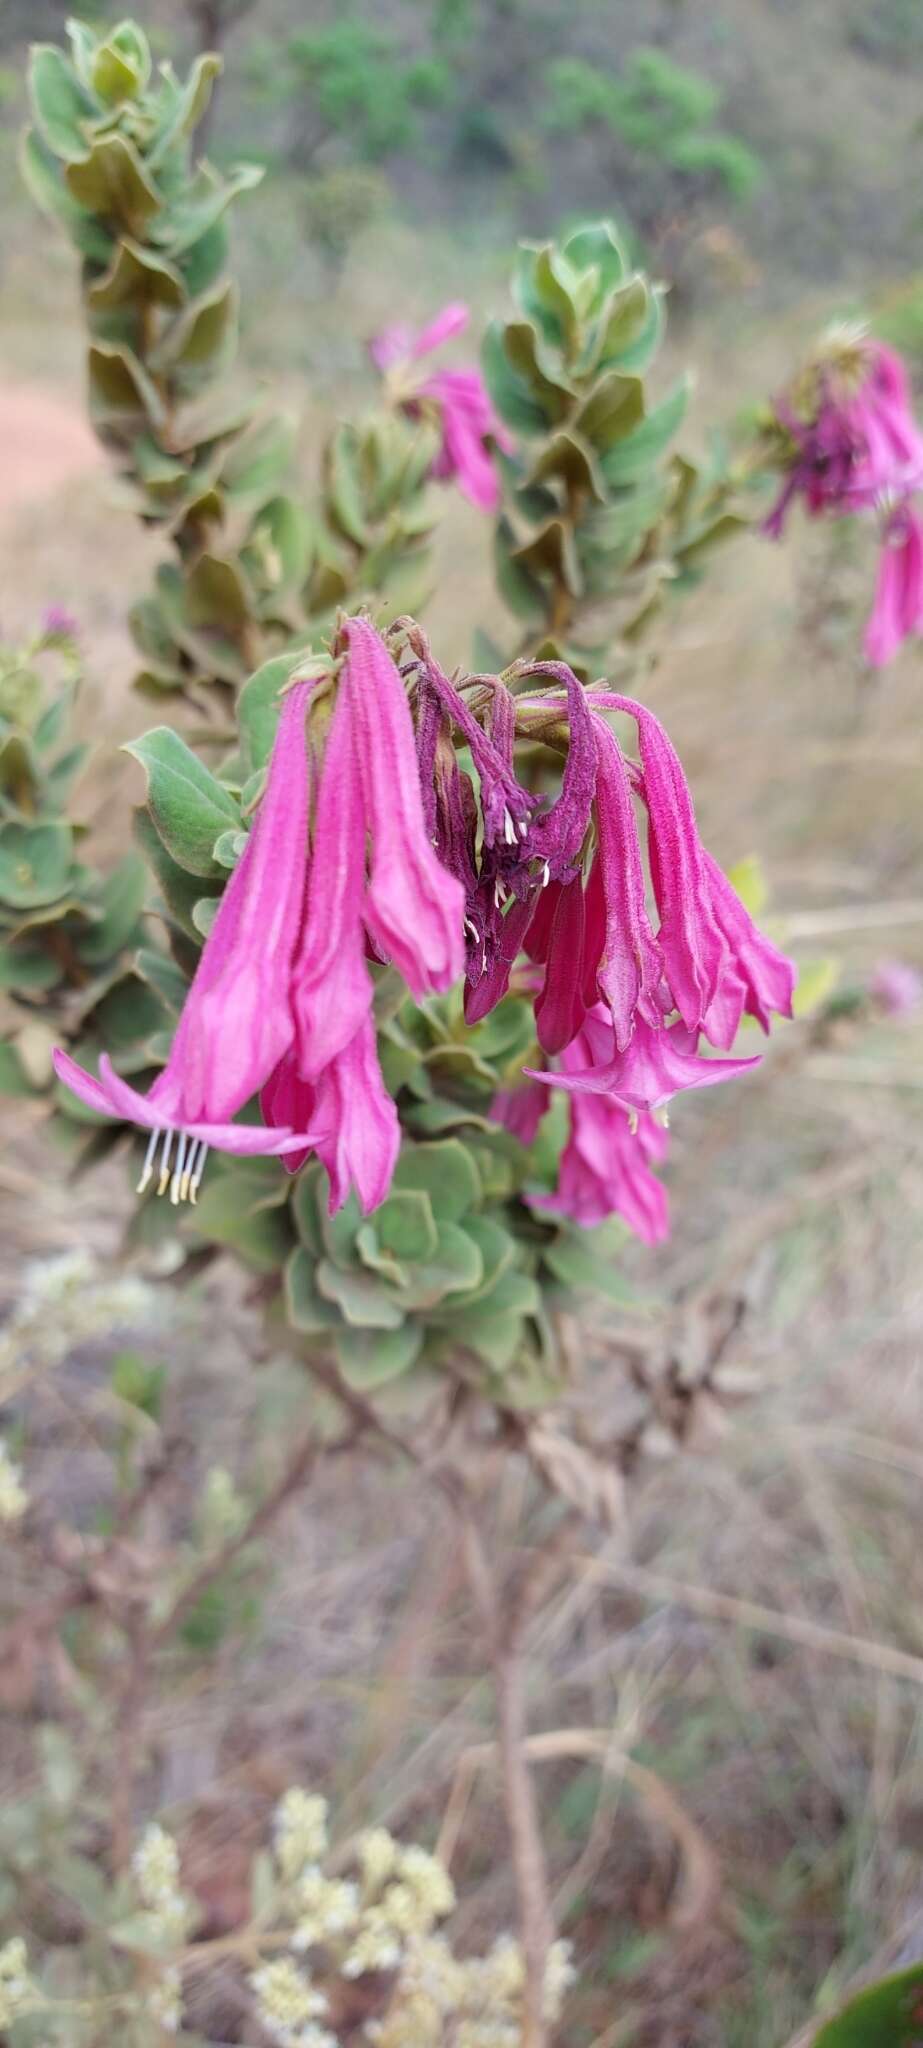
(414, 908)
(331, 985)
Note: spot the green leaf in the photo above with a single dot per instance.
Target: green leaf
(644, 446)
(260, 1235)
(404, 1224)
(597, 247)
(455, 1267)
(305, 1307)
(888, 2015)
(446, 1172)
(60, 104)
(259, 458)
(217, 596)
(35, 863)
(168, 980)
(113, 182)
(121, 903)
(202, 335)
(361, 1297)
(201, 204)
(611, 413)
(188, 805)
(180, 891)
(370, 1359)
(136, 274)
(588, 1269)
(122, 394)
(188, 107)
(510, 392)
(44, 179)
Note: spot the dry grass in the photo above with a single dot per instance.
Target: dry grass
(753, 1638)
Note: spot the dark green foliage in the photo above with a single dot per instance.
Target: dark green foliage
(657, 108)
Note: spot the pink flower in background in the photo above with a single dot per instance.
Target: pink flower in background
(898, 608)
(862, 450)
(898, 987)
(470, 428)
(59, 623)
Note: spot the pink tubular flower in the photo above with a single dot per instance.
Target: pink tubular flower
(358, 1133)
(655, 1066)
(520, 1110)
(237, 1021)
(470, 428)
(414, 909)
(716, 964)
(604, 1170)
(331, 984)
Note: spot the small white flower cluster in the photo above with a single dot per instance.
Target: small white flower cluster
(17, 1989)
(289, 2006)
(155, 1868)
(474, 2004)
(384, 1924)
(66, 1300)
(14, 1499)
(164, 2000)
(405, 1891)
(299, 1831)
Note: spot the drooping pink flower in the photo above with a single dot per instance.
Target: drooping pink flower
(898, 987)
(413, 908)
(898, 607)
(716, 964)
(630, 967)
(237, 1020)
(470, 428)
(331, 985)
(357, 1132)
(655, 1066)
(604, 1170)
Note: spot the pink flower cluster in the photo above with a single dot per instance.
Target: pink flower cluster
(383, 852)
(281, 1002)
(468, 424)
(620, 1006)
(860, 449)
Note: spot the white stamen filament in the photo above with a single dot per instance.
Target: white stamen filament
(509, 829)
(195, 1181)
(633, 1122)
(165, 1163)
(186, 1178)
(181, 1143)
(546, 874)
(147, 1171)
(499, 898)
(471, 929)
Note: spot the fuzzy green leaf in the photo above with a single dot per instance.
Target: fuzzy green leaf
(370, 1359)
(188, 805)
(446, 1172)
(35, 863)
(60, 103)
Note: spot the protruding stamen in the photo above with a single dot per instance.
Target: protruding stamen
(196, 1172)
(471, 929)
(147, 1171)
(175, 1184)
(509, 829)
(546, 874)
(499, 898)
(165, 1163)
(633, 1122)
